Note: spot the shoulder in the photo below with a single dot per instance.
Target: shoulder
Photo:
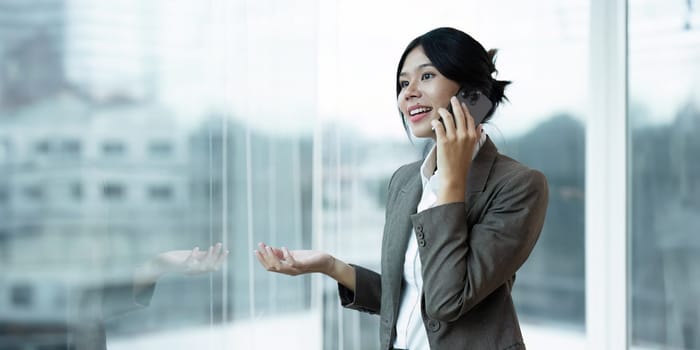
(404, 173)
(508, 172)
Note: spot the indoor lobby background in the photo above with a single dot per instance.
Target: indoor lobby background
(133, 127)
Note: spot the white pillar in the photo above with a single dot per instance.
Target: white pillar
(606, 179)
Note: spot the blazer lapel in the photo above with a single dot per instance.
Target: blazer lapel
(481, 167)
(397, 236)
(478, 176)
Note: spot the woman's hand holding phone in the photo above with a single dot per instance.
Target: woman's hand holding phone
(456, 139)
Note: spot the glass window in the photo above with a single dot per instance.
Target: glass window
(160, 149)
(160, 192)
(4, 151)
(542, 126)
(113, 191)
(22, 296)
(275, 121)
(34, 192)
(664, 176)
(70, 148)
(76, 191)
(42, 147)
(4, 248)
(113, 148)
(4, 194)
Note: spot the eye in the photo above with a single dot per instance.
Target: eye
(426, 76)
(403, 84)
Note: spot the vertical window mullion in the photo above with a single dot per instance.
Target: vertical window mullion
(606, 178)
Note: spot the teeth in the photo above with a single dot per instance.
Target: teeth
(420, 110)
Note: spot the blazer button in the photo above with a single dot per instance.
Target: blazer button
(421, 242)
(433, 325)
(419, 228)
(420, 235)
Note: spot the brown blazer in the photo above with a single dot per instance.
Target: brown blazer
(470, 252)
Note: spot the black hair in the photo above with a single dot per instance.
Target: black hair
(460, 58)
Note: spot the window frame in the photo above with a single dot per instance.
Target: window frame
(607, 236)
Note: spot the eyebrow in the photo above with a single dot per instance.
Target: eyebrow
(419, 68)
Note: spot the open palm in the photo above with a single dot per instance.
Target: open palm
(293, 262)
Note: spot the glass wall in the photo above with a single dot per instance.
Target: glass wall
(133, 128)
(130, 129)
(544, 51)
(664, 184)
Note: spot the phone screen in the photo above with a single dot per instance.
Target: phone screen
(478, 104)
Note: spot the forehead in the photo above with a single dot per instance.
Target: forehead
(415, 60)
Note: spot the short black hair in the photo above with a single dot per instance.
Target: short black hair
(459, 57)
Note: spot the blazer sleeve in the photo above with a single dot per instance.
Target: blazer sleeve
(462, 265)
(118, 299)
(368, 284)
(368, 291)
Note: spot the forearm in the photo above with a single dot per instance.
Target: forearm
(342, 273)
(451, 194)
(146, 275)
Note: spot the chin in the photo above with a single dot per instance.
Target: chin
(423, 132)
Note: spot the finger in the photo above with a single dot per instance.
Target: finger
(192, 256)
(448, 121)
(274, 262)
(220, 260)
(261, 254)
(278, 253)
(264, 253)
(261, 259)
(288, 256)
(479, 131)
(439, 130)
(215, 258)
(197, 254)
(471, 128)
(206, 260)
(217, 252)
(460, 114)
(291, 263)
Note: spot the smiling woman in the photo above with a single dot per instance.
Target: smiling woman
(452, 242)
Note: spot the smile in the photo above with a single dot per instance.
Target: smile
(418, 114)
(419, 110)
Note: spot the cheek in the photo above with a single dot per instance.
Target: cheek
(401, 105)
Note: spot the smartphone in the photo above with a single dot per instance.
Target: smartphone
(478, 104)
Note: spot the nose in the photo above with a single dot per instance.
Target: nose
(412, 90)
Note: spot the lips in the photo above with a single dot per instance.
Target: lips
(417, 113)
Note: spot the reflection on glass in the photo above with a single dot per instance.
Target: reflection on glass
(542, 127)
(664, 121)
(119, 141)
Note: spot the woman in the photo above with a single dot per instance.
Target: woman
(458, 225)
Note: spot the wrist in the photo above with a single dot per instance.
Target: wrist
(151, 270)
(331, 267)
(144, 275)
(451, 193)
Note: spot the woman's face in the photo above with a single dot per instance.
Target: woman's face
(423, 91)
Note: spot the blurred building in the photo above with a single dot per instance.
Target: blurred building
(32, 50)
(86, 194)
